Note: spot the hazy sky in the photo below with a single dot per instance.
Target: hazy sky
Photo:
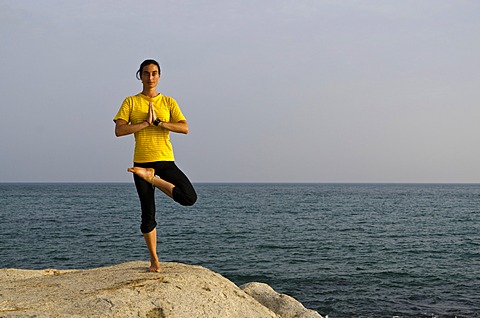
(274, 91)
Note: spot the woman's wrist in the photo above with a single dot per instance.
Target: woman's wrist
(157, 122)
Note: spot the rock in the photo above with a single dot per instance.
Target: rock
(126, 290)
(283, 305)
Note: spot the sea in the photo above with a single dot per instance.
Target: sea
(344, 250)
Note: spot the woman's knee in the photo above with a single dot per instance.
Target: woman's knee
(148, 226)
(186, 199)
(190, 200)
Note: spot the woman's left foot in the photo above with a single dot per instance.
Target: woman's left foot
(146, 174)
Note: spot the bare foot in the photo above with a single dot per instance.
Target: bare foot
(154, 266)
(146, 174)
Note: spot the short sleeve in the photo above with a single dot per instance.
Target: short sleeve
(124, 111)
(176, 114)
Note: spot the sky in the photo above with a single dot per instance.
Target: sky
(273, 90)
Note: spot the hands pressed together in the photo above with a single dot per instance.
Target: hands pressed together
(151, 114)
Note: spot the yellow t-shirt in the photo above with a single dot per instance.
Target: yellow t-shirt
(151, 143)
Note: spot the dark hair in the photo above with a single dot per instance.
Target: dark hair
(145, 63)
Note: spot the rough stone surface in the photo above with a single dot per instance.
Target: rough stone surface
(126, 290)
(283, 305)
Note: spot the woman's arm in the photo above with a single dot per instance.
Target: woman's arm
(122, 128)
(179, 127)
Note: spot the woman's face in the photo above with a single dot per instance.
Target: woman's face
(150, 76)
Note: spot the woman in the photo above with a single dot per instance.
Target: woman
(151, 116)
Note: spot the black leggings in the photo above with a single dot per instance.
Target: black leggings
(183, 192)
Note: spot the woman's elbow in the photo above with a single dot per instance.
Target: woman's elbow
(120, 126)
(184, 128)
(119, 132)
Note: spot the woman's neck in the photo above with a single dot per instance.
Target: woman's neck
(150, 92)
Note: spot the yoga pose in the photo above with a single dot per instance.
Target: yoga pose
(151, 116)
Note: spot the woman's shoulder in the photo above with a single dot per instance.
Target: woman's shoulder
(168, 100)
(137, 96)
(133, 98)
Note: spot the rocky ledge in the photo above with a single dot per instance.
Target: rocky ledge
(127, 290)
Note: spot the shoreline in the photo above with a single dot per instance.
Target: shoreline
(128, 289)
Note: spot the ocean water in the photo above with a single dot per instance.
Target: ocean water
(345, 250)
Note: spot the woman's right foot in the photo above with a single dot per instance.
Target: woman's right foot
(154, 266)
